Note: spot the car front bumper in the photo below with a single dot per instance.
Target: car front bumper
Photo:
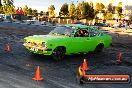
(38, 50)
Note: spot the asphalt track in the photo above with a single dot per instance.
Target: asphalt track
(18, 67)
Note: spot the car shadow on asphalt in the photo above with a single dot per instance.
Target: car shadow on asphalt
(77, 59)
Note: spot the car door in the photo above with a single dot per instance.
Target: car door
(95, 37)
(80, 43)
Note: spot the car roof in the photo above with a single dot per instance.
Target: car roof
(79, 26)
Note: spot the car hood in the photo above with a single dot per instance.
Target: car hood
(43, 38)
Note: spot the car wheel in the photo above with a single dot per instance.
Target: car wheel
(99, 48)
(79, 79)
(34, 54)
(58, 53)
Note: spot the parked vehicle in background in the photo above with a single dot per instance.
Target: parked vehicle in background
(102, 24)
(120, 25)
(48, 23)
(98, 25)
(18, 17)
(2, 16)
(8, 18)
(125, 26)
(116, 26)
(79, 23)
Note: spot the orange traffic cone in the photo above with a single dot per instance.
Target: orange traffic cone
(8, 48)
(119, 58)
(37, 76)
(85, 65)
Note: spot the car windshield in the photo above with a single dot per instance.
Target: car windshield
(62, 30)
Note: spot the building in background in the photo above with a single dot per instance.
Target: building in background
(127, 11)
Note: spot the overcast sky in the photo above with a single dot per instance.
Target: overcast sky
(43, 4)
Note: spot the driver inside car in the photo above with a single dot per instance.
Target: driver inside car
(82, 33)
(86, 34)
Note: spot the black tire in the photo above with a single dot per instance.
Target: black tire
(79, 79)
(99, 48)
(58, 53)
(34, 54)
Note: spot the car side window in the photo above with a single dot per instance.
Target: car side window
(82, 33)
(93, 33)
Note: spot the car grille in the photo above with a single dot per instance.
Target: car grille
(32, 44)
(35, 45)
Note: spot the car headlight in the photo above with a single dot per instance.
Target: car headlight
(44, 44)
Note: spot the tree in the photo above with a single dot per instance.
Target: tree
(47, 13)
(119, 10)
(72, 10)
(8, 7)
(34, 12)
(120, 4)
(52, 7)
(0, 3)
(51, 11)
(91, 4)
(64, 9)
(87, 11)
(110, 8)
(78, 11)
(91, 13)
(8, 2)
(130, 18)
(99, 7)
(41, 13)
(83, 10)
(29, 11)
(108, 15)
(25, 9)
(1, 10)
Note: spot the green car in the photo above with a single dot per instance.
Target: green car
(67, 40)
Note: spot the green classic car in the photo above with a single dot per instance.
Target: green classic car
(67, 40)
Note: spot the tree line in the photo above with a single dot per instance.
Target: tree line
(86, 10)
(83, 10)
